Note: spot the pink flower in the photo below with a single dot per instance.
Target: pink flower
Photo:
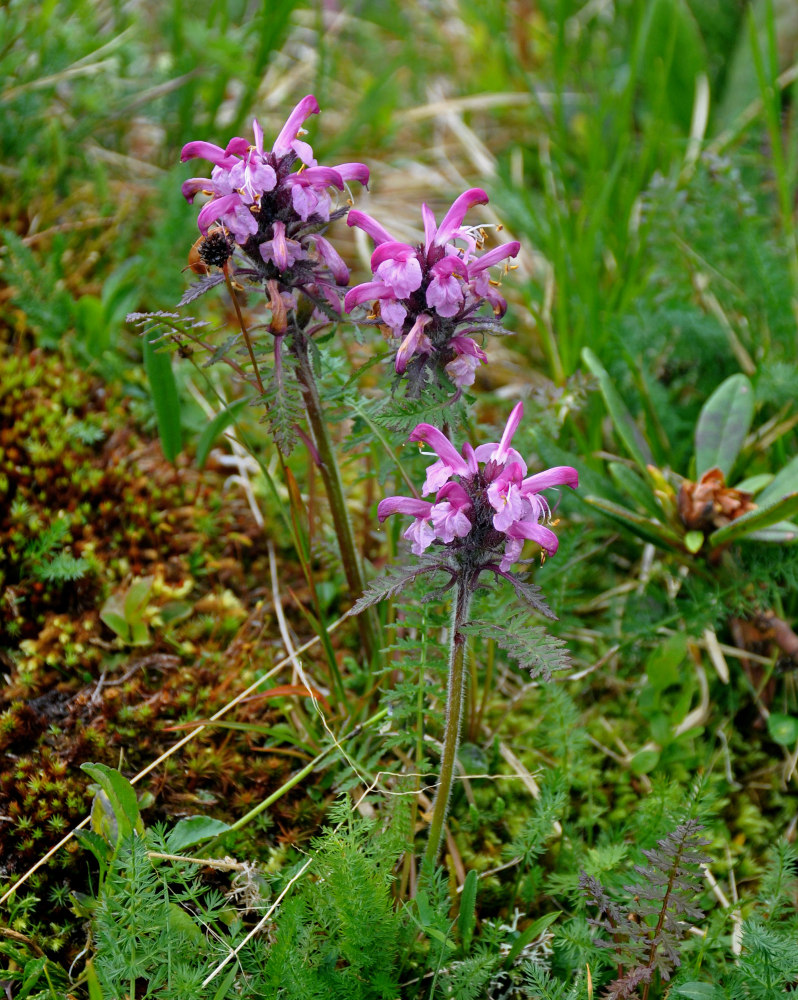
(249, 187)
(467, 358)
(280, 250)
(439, 280)
(484, 508)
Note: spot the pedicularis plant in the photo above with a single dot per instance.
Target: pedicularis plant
(262, 228)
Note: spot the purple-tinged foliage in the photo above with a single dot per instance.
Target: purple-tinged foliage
(646, 936)
(430, 296)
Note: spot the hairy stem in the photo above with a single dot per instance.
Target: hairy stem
(333, 485)
(454, 713)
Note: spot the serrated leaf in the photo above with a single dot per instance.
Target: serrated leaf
(31, 974)
(722, 425)
(530, 646)
(434, 407)
(530, 594)
(200, 287)
(193, 830)
(283, 402)
(395, 579)
(220, 422)
(622, 420)
(755, 520)
(222, 350)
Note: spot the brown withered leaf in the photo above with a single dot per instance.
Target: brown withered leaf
(710, 504)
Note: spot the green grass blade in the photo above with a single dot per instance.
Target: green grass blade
(166, 400)
(622, 420)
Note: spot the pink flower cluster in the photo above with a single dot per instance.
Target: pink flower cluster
(267, 207)
(428, 295)
(484, 499)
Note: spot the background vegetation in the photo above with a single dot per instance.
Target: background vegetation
(645, 154)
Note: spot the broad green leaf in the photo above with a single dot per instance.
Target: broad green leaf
(533, 931)
(95, 843)
(622, 420)
(115, 621)
(138, 593)
(220, 422)
(95, 990)
(178, 920)
(467, 918)
(722, 425)
(693, 541)
(139, 634)
(425, 912)
(121, 796)
(193, 830)
(755, 520)
(662, 666)
(645, 760)
(753, 484)
(698, 991)
(785, 481)
(783, 532)
(165, 398)
(783, 729)
(31, 976)
(174, 611)
(646, 528)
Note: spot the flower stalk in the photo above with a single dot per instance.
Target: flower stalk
(455, 699)
(333, 485)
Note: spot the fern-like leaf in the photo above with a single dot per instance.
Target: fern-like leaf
(665, 893)
(529, 645)
(434, 407)
(62, 568)
(205, 284)
(282, 401)
(395, 579)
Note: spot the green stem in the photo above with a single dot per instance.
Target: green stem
(454, 714)
(245, 331)
(331, 477)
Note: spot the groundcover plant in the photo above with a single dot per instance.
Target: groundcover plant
(404, 605)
